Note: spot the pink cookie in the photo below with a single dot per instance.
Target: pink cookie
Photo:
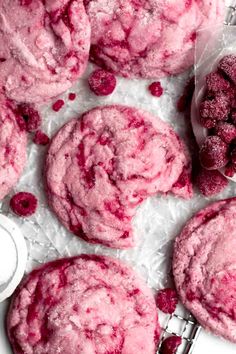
(204, 267)
(83, 305)
(148, 38)
(44, 47)
(99, 168)
(12, 148)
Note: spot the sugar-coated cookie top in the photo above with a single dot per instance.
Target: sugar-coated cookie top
(100, 167)
(83, 305)
(44, 47)
(204, 267)
(148, 38)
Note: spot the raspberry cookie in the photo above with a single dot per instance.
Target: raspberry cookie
(44, 47)
(88, 304)
(148, 38)
(100, 167)
(12, 148)
(204, 267)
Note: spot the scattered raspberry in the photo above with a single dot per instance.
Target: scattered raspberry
(215, 82)
(156, 89)
(214, 153)
(170, 345)
(102, 83)
(167, 300)
(23, 204)
(31, 117)
(40, 138)
(185, 100)
(226, 131)
(228, 66)
(216, 109)
(72, 96)
(230, 170)
(58, 105)
(210, 182)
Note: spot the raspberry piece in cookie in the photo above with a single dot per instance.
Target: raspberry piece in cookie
(24, 204)
(147, 38)
(204, 267)
(102, 83)
(87, 304)
(100, 167)
(167, 300)
(211, 182)
(45, 47)
(228, 66)
(214, 153)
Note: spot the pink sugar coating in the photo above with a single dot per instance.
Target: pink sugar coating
(44, 46)
(147, 38)
(87, 304)
(204, 267)
(13, 142)
(211, 182)
(101, 167)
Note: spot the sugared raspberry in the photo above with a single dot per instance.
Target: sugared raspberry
(215, 82)
(226, 131)
(40, 138)
(31, 117)
(214, 153)
(215, 109)
(167, 300)
(233, 156)
(233, 116)
(207, 122)
(228, 66)
(170, 345)
(230, 170)
(23, 204)
(210, 182)
(58, 105)
(156, 89)
(102, 83)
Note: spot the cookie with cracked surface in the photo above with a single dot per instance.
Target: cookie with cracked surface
(100, 167)
(87, 304)
(204, 267)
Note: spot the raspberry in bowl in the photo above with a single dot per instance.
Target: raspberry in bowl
(213, 118)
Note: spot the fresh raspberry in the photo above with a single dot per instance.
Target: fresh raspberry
(72, 96)
(215, 109)
(210, 182)
(58, 105)
(23, 204)
(215, 82)
(167, 300)
(102, 83)
(214, 153)
(156, 89)
(31, 117)
(230, 170)
(228, 66)
(170, 345)
(185, 100)
(226, 131)
(40, 138)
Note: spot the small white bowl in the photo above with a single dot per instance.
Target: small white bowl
(18, 256)
(199, 131)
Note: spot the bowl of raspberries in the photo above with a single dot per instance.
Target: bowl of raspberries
(213, 118)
